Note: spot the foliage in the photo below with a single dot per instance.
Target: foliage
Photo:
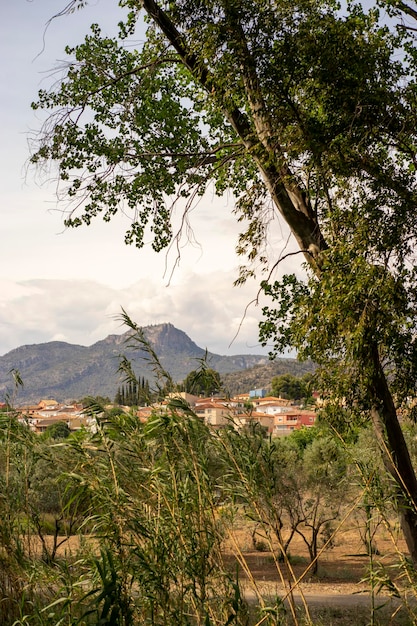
(291, 387)
(87, 400)
(135, 393)
(376, 307)
(155, 504)
(268, 103)
(203, 381)
(59, 430)
(300, 108)
(293, 485)
(145, 124)
(325, 482)
(261, 376)
(305, 436)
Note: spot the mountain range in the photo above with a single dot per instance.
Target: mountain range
(65, 371)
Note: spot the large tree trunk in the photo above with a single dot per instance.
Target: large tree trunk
(394, 452)
(259, 139)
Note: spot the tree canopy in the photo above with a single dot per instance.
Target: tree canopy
(204, 380)
(292, 387)
(58, 430)
(301, 109)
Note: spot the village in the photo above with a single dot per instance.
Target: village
(277, 416)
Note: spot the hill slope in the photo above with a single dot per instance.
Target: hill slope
(65, 371)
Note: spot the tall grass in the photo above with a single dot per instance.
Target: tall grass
(152, 507)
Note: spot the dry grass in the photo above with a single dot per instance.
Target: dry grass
(339, 595)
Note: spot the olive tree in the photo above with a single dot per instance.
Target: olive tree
(300, 109)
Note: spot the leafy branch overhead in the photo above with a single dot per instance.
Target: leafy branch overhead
(256, 101)
(304, 110)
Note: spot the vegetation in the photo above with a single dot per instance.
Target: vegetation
(292, 387)
(301, 109)
(204, 381)
(153, 511)
(136, 393)
(59, 430)
(260, 376)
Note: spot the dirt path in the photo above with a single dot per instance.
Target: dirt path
(324, 595)
(341, 585)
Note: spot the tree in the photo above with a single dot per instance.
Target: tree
(323, 490)
(135, 393)
(292, 387)
(203, 381)
(55, 509)
(88, 400)
(297, 109)
(119, 395)
(59, 430)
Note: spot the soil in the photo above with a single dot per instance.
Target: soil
(341, 583)
(340, 592)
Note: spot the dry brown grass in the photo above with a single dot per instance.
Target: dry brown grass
(339, 595)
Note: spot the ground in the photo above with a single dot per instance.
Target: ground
(338, 595)
(340, 592)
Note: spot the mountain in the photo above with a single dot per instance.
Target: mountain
(65, 371)
(260, 376)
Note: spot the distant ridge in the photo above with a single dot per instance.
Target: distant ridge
(65, 371)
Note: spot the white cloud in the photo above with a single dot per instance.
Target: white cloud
(207, 308)
(71, 285)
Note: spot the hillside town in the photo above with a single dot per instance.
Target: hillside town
(277, 416)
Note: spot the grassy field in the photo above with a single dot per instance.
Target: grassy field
(348, 588)
(340, 594)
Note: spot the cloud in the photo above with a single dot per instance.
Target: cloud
(89, 274)
(208, 308)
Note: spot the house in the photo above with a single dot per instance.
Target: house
(144, 413)
(257, 393)
(274, 406)
(40, 426)
(292, 419)
(256, 417)
(189, 398)
(214, 413)
(241, 397)
(48, 412)
(45, 404)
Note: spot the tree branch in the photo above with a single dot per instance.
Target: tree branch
(286, 195)
(405, 8)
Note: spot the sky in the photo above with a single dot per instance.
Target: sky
(71, 284)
